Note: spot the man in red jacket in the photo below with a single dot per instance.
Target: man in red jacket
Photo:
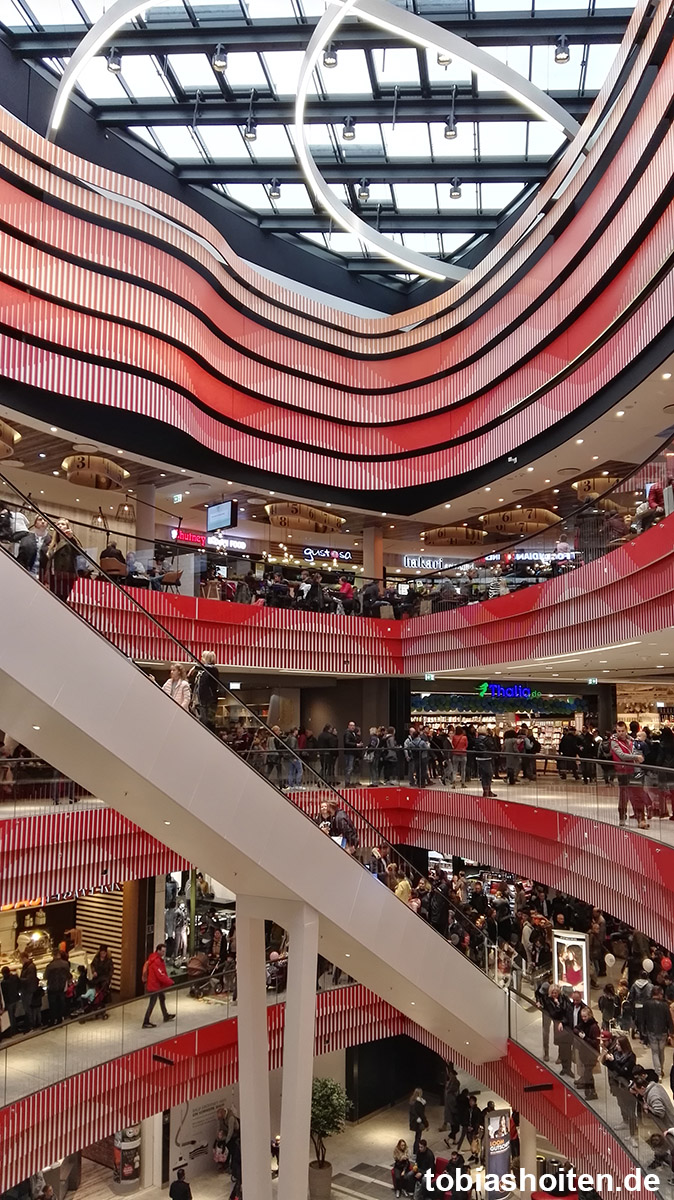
(156, 979)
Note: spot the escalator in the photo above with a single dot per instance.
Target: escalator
(77, 701)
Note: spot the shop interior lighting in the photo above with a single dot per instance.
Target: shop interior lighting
(275, 190)
(114, 60)
(562, 52)
(363, 191)
(329, 57)
(219, 59)
(349, 130)
(455, 190)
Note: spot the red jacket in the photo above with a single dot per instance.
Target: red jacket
(157, 975)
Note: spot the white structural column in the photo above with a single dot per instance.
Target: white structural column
(373, 552)
(527, 1154)
(253, 1049)
(298, 1051)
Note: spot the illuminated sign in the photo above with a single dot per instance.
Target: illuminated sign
(517, 691)
(104, 889)
(311, 553)
(425, 564)
(192, 537)
(542, 556)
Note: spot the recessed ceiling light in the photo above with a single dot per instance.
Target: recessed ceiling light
(530, 469)
(414, 1004)
(54, 472)
(487, 489)
(579, 441)
(187, 493)
(36, 728)
(42, 455)
(328, 505)
(518, 505)
(555, 674)
(167, 822)
(664, 654)
(621, 413)
(41, 492)
(391, 526)
(120, 451)
(183, 471)
(347, 956)
(54, 429)
(384, 514)
(659, 666)
(595, 458)
(667, 375)
(548, 481)
(77, 500)
(162, 475)
(602, 660)
(448, 506)
(555, 491)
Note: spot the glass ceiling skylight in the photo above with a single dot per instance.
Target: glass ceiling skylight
(406, 108)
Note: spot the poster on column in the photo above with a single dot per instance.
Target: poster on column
(126, 1156)
(497, 1149)
(570, 962)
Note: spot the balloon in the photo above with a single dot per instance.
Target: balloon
(647, 964)
(610, 960)
(666, 964)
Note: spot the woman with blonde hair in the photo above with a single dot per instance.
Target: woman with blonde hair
(177, 687)
(403, 1176)
(418, 1118)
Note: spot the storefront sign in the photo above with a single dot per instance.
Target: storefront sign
(311, 553)
(542, 556)
(192, 537)
(515, 691)
(497, 1150)
(104, 889)
(420, 563)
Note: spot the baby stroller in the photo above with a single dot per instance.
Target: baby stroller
(207, 978)
(93, 1004)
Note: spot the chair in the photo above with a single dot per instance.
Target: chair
(170, 581)
(113, 567)
(213, 590)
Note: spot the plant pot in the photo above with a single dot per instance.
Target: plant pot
(320, 1181)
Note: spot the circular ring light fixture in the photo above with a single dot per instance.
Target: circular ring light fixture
(287, 515)
(384, 15)
(9, 438)
(94, 471)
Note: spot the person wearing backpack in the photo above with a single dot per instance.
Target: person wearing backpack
(390, 756)
(156, 979)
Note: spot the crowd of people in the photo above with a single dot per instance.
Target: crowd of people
(69, 990)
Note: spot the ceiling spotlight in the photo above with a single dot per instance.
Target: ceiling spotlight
(562, 52)
(667, 375)
(250, 132)
(444, 58)
(455, 190)
(620, 414)
(451, 131)
(219, 59)
(275, 190)
(363, 191)
(114, 60)
(349, 130)
(330, 57)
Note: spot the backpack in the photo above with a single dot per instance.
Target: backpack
(535, 746)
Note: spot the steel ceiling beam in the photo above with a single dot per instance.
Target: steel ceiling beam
(217, 110)
(484, 29)
(389, 222)
(374, 170)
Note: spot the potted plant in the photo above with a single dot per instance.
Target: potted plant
(329, 1109)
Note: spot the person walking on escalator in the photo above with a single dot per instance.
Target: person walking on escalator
(206, 689)
(61, 560)
(156, 979)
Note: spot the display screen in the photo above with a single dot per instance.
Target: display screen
(222, 516)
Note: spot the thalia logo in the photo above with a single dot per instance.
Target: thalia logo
(498, 692)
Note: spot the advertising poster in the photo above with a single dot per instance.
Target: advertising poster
(497, 1146)
(570, 962)
(126, 1156)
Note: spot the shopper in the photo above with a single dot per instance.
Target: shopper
(177, 687)
(425, 1161)
(588, 1037)
(294, 762)
(568, 753)
(416, 755)
(341, 827)
(180, 1189)
(403, 1176)
(625, 756)
(418, 1121)
(57, 976)
(11, 994)
(665, 761)
(512, 757)
(620, 1062)
(328, 747)
(102, 970)
(61, 560)
(352, 746)
(485, 750)
(460, 753)
(452, 1088)
(372, 756)
(206, 689)
(33, 546)
(31, 992)
(156, 980)
(658, 1028)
